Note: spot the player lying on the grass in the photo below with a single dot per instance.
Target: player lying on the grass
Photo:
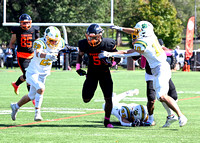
(130, 115)
(45, 52)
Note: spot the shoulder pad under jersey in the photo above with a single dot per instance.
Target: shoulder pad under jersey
(125, 112)
(83, 45)
(62, 43)
(140, 45)
(14, 29)
(39, 44)
(36, 28)
(109, 44)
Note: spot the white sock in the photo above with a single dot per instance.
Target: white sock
(150, 119)
(37, 110)
(38, 100)
(169, 111)
(17, 106)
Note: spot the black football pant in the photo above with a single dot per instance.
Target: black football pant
(91, 82)
(151, 94)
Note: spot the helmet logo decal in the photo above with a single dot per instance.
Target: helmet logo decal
(48, 30)
(135, 112)
(144, 25)
(56, 34)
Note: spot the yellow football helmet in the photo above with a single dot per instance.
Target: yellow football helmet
(53, 37)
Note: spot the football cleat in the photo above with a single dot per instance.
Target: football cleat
(33, 101)
(38, 117)
(149, 123)
(107, 124)
(170, 120)
(14, 111)
(16, 88)
(182, 120)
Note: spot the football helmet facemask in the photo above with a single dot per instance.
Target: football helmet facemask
(53, 36)
(143, 29)
(140, 112)
(94, 35)
(25, 21)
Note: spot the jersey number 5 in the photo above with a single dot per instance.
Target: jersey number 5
(96, 60)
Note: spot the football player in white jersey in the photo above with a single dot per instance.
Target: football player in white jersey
(146, 43)
(45, 52)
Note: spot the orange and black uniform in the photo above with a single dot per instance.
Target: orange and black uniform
(25, 39)
(97, 71)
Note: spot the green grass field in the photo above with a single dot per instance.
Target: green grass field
(68, 120)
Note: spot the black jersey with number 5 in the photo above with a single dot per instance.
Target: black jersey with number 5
(95, 64)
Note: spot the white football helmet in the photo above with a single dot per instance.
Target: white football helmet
(144, 29)
(125, 112)
(53, 36)
(140, 112)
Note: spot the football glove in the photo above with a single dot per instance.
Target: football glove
(116, 27)
(51, 56)
(81, 72)
(107, 61)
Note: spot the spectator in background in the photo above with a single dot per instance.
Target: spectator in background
(176, 53)
(9, 57)
(170, 57)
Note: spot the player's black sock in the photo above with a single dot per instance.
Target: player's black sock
(106, 122)
(18, 82)
(28, 87)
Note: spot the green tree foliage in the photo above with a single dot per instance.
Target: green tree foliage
(162, 15)
(186, 9)
(58, 11)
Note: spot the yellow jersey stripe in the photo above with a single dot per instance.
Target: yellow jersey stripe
(141, 42)
(128, 111)
(40, 41)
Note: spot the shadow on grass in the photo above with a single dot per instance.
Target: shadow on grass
(94, 124)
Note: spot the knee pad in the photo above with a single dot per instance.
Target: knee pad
(151, 93)
(172, 90)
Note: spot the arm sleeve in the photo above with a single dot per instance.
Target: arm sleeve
(126, 55)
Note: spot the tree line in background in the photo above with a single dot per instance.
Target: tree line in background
(169, 17)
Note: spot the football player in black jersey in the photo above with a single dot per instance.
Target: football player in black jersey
(24, 35)
(98, 70)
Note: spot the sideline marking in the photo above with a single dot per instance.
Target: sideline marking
(52, 120)
(189, 98)
(33, 123)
